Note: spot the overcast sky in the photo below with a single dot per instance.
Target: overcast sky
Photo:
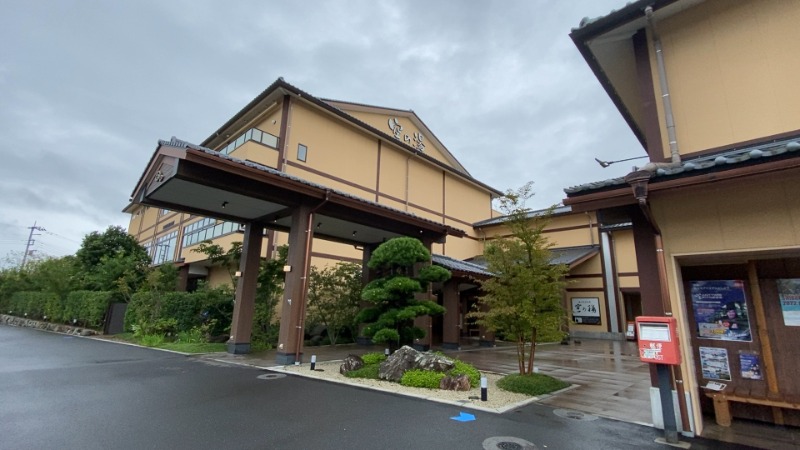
(88, 87)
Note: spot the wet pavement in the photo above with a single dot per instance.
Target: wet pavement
(609, 381)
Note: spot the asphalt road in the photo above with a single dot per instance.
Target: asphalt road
(70, 392)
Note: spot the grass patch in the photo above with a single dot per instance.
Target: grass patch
(532, 384)
(194, 347)
(369, 371)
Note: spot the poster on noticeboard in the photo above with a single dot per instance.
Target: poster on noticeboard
(789, 294)
(714, 363)
(720, 310)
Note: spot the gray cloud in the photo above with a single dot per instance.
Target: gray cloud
(88, 87)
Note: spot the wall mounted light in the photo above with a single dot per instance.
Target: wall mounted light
(224, 204)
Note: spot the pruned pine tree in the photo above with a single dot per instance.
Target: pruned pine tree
(391, 319)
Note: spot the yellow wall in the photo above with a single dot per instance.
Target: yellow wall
(333, 148)
(733, 217)
(259, 153)
(380, 121)
(732, 69)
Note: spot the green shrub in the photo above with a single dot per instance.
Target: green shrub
(152, 340)
(370, 372)
(31, 304)
(373, 358)
(422, 379)
(532, 384)
(469, 370)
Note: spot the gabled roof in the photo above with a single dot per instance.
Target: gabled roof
(185, 177)
(606, 45)
(557, 211)
(280, 88)
(406, 113)
(459, 267)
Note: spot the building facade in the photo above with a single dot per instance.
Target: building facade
(709, 88)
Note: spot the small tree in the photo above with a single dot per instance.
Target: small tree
(523, 298)
(391, 320)
(334, 297)
(217, 255)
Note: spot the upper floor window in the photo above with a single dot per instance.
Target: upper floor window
(302, 152)
(253, 134)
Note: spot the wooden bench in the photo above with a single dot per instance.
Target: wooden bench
(722, 400)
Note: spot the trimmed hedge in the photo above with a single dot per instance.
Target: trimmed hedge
(87, 308)
(179, 311)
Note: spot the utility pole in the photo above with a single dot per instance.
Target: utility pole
(30, 242)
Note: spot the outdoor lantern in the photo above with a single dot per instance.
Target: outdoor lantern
(638, 181)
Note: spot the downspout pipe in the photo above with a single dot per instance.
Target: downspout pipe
(306, 270)
(665, 97)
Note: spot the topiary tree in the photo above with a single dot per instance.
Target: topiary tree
(391, 319)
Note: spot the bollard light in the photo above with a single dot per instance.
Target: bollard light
(386, 352)
(484, 389)
(313, 362)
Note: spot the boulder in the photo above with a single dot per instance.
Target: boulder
(407, 359)
(457, 383)
(351, 363)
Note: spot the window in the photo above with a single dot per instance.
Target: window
(302, 152)
(165, 248)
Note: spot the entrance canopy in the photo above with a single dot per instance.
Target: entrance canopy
(189, 178)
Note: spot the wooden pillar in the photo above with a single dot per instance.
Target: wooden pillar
(763, 337)
(451, 331)
(424, 322)
(290, 337)
(242, 324)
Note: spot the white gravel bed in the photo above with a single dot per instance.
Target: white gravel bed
(498, 400)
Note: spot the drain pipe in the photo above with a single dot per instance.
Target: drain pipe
(662, 79)
(306, 270)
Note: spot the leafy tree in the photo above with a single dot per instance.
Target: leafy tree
(334, 297)
(229, 259)
(112, 242)
(523, 299)
(391, 319)
(112, 261)
(56, 275)
(268, 291)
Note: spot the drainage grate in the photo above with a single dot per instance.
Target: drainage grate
(507, 443)
(270, 376)
(574, 415)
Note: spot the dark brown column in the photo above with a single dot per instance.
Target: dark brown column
(242, 324)
(367, 275)
(290, 337)
(183, 277)
(424, 322)
(450, 332)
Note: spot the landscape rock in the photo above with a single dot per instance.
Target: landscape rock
(351, 363)
(457, 383)
(408, 359)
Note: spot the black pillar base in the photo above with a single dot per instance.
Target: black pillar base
(451, 345)
(238, 348)
(287, 359)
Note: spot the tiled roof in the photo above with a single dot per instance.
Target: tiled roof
(710, 163)
(460, 266)
(570, 255)
(175, 142)
(531, 214)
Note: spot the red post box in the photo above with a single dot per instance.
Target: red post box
(658, 340)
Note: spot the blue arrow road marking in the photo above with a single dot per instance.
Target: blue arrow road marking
(464, 417)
